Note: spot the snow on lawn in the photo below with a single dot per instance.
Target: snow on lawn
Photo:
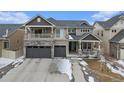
(83, 63)
(64, 66)
(18, 60)
(90, 79)
(117, 70)
(5, 62)
(121, 62)
(77, 59)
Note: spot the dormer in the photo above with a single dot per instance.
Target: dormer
(84, 24)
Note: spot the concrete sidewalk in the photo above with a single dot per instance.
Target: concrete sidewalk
(77, 73)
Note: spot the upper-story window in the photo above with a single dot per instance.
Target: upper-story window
(114, 30)
(101, 33)
(6, 44)
(38, 19)
(57, 33)
(72, 30)
(81, 30)
(98, 33)
(86, 30)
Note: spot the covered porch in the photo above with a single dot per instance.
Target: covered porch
(86, 47)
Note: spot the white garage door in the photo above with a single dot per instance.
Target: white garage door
(121, 53)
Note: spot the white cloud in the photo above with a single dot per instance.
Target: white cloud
(13, 17)
(104, 15)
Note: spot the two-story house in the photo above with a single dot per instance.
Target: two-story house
(110, 32)
(48, 38)
(11, 40)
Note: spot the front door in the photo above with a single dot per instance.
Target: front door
(72, 47)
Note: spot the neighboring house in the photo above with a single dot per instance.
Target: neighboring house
(48, 38)
(108, 31)
(117, 45)
(11, 40)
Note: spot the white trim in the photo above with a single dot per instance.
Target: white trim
(84, 22)
(92, 35)
(38, 26)
(36, 17)
(89, 41)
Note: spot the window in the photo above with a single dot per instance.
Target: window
(6, 44)
(38, 20)
(72, 30)
(98, 33)
(58, 33)
(18, 41)
(81, 30)
(86, 30)
(114, 30)
(101, 33)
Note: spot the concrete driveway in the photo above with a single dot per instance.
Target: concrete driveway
(34, 70)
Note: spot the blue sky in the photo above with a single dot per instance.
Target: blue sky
(90, 16)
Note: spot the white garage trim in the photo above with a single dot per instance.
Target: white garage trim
(121, 53)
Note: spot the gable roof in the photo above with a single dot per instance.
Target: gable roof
(8, 27)
(118, 37)
(110, 22)
(70, 23)
(33, 21)
(90, 37)
(85, 36)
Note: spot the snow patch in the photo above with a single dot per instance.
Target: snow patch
(5, 61)
(83, 63)
(70, 37)
(77, 59)
(18, 61)
(90, 79)
(119, 70)
(121, 62)
(84, 68)
(102, 59)
(64, 66)
(86, 73)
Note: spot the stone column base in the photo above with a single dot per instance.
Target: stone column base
(79, 51)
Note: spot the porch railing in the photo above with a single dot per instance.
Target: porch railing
(35, 36)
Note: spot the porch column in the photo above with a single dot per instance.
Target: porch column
(118, 56)
(79, 50)
(52, 32)
(52, 50)
(99, 46)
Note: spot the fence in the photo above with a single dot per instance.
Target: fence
(12, 54)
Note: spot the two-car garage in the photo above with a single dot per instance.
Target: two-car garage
(45, 51)
(38, 52)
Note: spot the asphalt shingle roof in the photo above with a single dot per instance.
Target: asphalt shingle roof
(79, 36)
(118, 37)
(109, 23)
(70, 23)
(10, 27)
